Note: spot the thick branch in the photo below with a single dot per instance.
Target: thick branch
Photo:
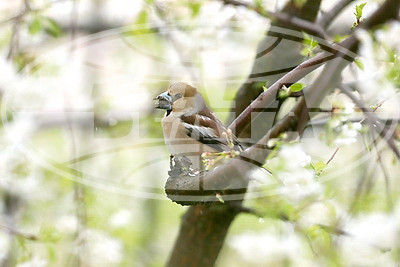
(213, 223)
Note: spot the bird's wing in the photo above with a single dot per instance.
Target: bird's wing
(207, 129)
(208, 113)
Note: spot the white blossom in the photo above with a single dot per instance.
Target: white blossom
(18, 175)
(320, 213)
(298, 181)
(67, 223)
(294, 156)
(348, 108)
(389, 36)
(100, 249)
(4, 246)
(8, 73)
(369, 239)
(34, 262)
(266, 247)
(371, 79)
(19, 129)
(300, 184)
(349, 133)
(121, 218)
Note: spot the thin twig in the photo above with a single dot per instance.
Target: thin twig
(373, 120)
(386, 177)
(361, 121)
(15, 17)
(178, 48)
(19, 233)
(284, 18)
(25, 8)
(361, 184)
(333, 155)
(328, 17)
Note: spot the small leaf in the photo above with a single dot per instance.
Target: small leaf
(35, 26)
(359, 64)
(310, 45)
(195, 7)
(141, 17)
(338, 38)
(52, 27)
(296, 87)
(283, 94)
(318, 167)
(219, 197)
(359, 9)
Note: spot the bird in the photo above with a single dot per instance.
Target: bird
(190, 128)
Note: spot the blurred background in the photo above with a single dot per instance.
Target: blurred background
(83, 162)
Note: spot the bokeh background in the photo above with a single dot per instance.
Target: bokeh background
(82, 159)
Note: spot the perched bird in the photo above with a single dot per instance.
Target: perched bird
(190, 128)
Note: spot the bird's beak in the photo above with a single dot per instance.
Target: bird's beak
(164, 101)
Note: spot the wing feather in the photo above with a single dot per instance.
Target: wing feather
(207, 129)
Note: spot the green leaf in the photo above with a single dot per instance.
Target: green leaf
(359, 64)
(359, 9)
(338, 38)
(296, 87)
(48, 233)
(35, 26)
(195, 7)
(141, 17)
(308, 40)
(259, 4)
(278, 208)
(318, 167)
(319, 237)
(283, 94)
(52, 27)
(310, 45)
(219, 197)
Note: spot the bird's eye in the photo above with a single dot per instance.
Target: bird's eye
(176, 97)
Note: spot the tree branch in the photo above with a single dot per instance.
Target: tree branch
(266, 98)
(283, 18)
(373, 120)
(328, 17)
(275, 55)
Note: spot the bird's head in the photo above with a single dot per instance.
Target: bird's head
(180, 97)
